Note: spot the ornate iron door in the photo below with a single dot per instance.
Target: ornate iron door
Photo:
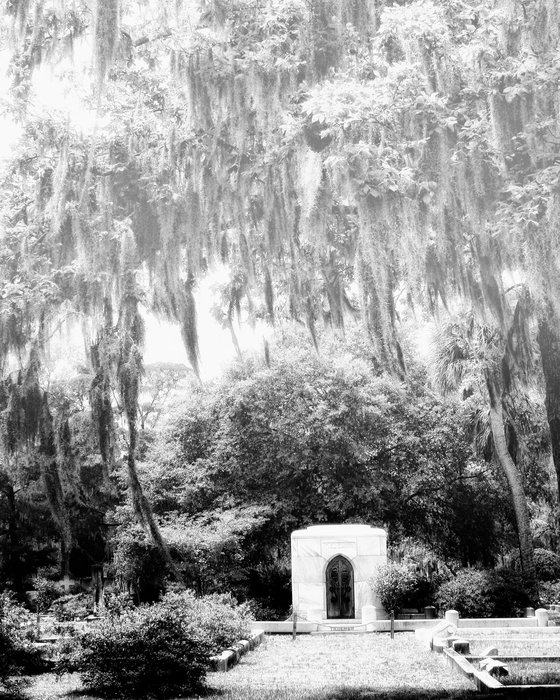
(340, 588)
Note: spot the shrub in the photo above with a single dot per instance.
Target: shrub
(17, 656)
(430, 569)
(484, 593)
(43, 594)
(260, 610)
(149, 651)
(507, 592)
(162, 649)
(547, 564)
(117, 602)
(72, 607)
(13, 617)
(217, 618)
(12, 667)
(465, 593)
(394, 584)
(549, 592)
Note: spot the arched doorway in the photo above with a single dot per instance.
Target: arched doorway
(340, 589)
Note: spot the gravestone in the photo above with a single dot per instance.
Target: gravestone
(331, 566)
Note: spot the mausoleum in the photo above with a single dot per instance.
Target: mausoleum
(331, 565)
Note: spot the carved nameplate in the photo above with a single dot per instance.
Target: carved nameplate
(348, 548)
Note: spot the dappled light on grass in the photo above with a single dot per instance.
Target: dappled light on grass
(532, 673)
(513, 647)
(345, 667)
(514, 642)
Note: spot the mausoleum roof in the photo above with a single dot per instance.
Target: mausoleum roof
(343, 530)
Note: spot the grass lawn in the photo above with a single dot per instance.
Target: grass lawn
(345, 667)
(532, 673)
(515, 644)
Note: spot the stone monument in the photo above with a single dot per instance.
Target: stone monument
(331, 565)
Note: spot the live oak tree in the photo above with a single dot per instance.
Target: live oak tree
(339, 156)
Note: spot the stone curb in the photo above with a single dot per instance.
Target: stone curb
(488, 684)
(485, 683)
(460, 663)
(229, 657)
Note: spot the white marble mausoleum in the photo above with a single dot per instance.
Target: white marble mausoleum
(331, 565)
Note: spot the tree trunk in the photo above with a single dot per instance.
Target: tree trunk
(129, 372)
(549, 344)
(515, 486)
(14, 561)
(48, 465)
(143, 508)
(102, 413)
(98, 582)
(234, 338)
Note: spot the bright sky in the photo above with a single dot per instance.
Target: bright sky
(164, 342)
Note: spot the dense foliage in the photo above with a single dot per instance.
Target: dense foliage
(76, 606)
(549, 592)
(393, 585)
(484, 593)
(17, 656)
(269, 449)
(429, 570)
(547, 563)
(344, 161)
(158, 650)
(218, 618)
(147, 651)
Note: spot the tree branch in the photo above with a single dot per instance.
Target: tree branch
(146, 39)
(424, 490)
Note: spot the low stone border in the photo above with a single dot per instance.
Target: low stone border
(229, 657)
(487, 683)
(459, 663)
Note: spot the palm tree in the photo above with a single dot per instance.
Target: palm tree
(473, 358)
(549, 345)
